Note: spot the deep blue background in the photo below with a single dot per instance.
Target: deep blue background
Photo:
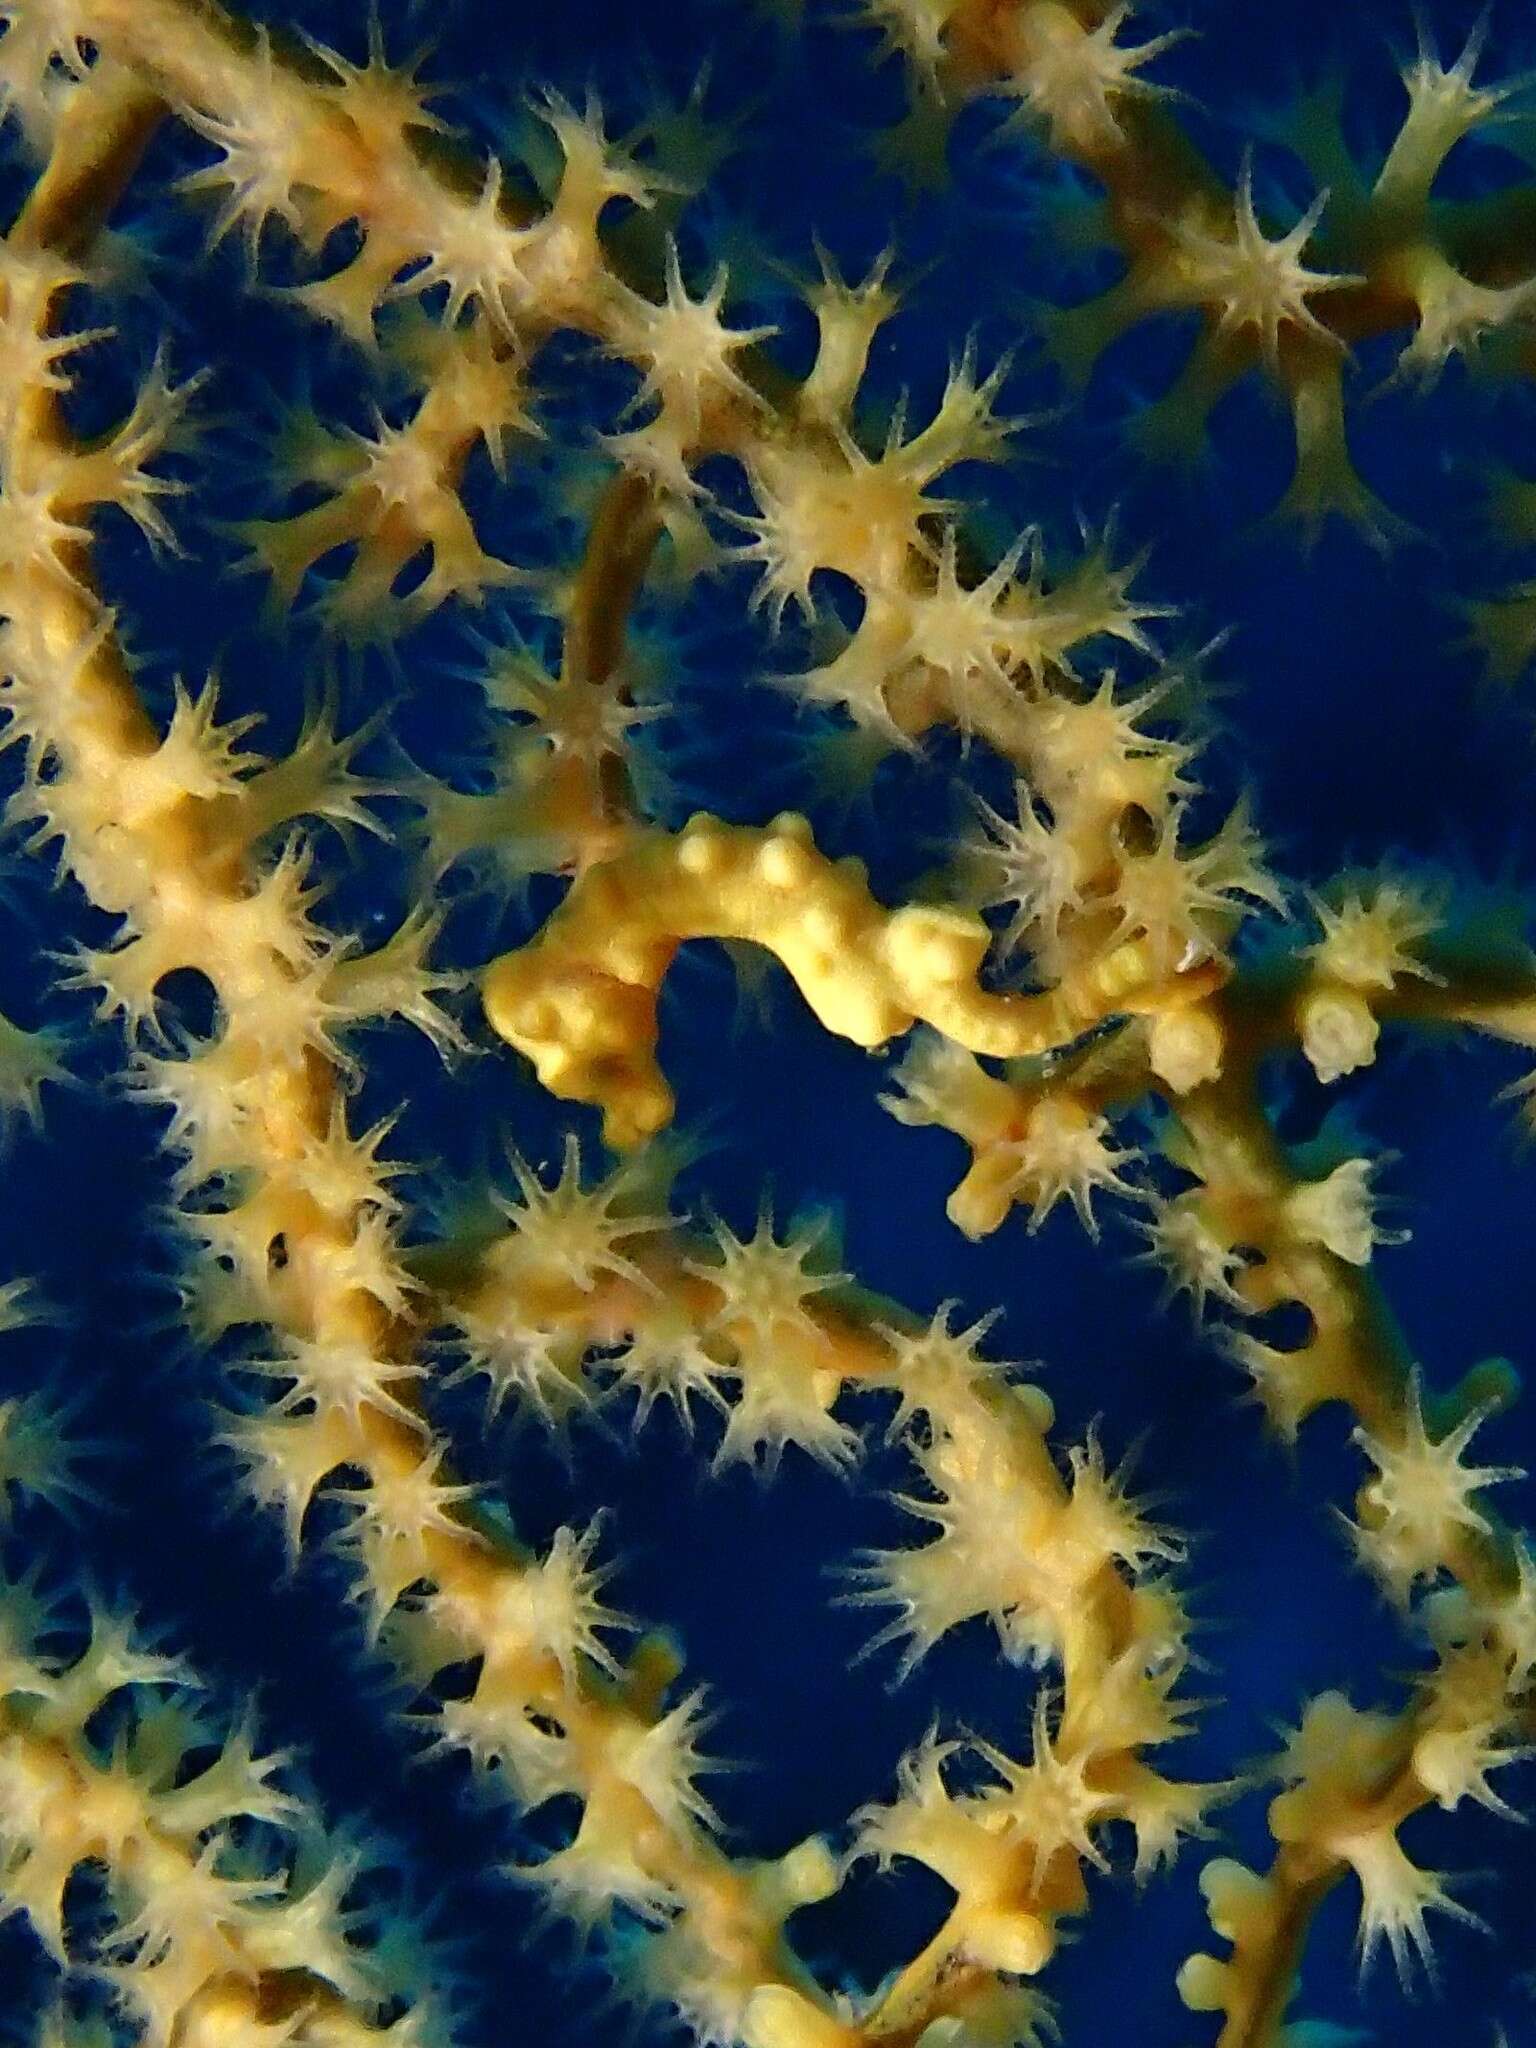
(1354, 718)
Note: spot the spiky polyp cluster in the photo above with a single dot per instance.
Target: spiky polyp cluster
(1389, 951)
(166, 830)
(593, 1291)
(271, 1130)
(328, 144)
(314, 143)
(1071, 1574)
(941, 638)
(1378, 251)
(1352, 1778)
(227, 1903)
(1264, 1228)
(160, 829)
(1093, 865)
(171, 831)
(590, 1290)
